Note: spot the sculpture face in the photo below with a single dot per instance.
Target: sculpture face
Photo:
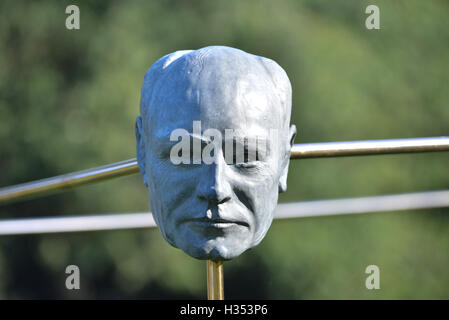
(214, 210)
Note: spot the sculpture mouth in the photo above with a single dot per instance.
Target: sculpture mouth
(217, 223)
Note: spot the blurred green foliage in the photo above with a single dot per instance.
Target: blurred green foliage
(69, 98)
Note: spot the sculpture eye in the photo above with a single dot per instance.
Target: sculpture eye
(247, 165)
(243, 155)
(248, 160)
(163, 153)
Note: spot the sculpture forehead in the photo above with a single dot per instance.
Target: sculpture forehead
(223, 87)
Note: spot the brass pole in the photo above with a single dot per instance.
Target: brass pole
(369, 147)
(66, 181)
(299, 151)
(215, 289)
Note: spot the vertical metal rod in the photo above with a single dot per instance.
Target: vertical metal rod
(215, 289)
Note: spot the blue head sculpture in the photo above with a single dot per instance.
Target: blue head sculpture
(213, 147)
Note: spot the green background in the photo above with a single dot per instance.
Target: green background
(69, 98)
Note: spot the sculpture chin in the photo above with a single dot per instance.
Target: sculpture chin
(215, 250)
(214, 243)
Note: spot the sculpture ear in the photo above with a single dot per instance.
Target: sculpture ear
(283, 178)
(141, 149)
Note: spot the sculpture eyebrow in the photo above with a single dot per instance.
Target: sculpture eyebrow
(263, 148)
(163, 140)
(200, 137)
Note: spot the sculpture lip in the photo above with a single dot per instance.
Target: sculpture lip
(218, 222)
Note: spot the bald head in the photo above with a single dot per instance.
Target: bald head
(214, 79)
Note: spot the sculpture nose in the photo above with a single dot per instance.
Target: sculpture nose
(212, 195)
(214, 186)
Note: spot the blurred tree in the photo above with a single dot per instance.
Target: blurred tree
(69, 98)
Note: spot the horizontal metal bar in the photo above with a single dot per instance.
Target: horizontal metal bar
(299, 151)
(394, 202)
(369, 147)
(75, 224)
(67, 181)
(316, 208)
